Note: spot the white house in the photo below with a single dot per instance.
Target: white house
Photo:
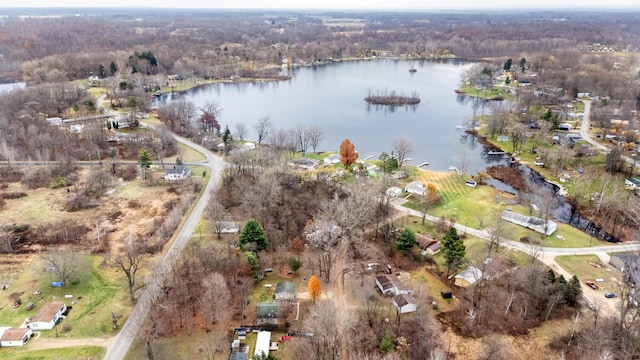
(393, 191)
(389, 284)
(46, 318)
(262, 343)
(228, 227)
(415, 187)
(14, 337)
(404, 303)
(632, 183)
(54, 121)
(332, 159)
(249, 145)
(177, 173)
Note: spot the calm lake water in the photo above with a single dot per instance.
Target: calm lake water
(332, 96)
(11, 86)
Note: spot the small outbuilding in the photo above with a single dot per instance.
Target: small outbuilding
(389, 284)
(404, 303)
(393, 191)
(285, 291)
(14, 337)
(48, 315)
(468, 277)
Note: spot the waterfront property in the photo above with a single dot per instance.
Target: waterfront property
(530, 222)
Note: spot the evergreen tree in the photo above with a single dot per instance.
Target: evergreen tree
(386, 345)
(101, 72)
(406, 241)
(507, 64)
(523, 64)
(252, 232)
(145, 162)
(113, 68)
(453, 249)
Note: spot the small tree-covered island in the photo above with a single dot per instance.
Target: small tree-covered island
(392, 98)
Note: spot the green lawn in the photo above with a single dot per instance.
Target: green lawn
(589, 267)
(97, 292)
(186, 153)
(75, 353)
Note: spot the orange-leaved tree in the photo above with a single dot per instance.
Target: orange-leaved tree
(314, 288)
(348, 153)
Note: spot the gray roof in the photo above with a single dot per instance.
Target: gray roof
(389, 282)
(267, 310)
(285, 287)
(403, 299)
(470, 275)
(239, 356)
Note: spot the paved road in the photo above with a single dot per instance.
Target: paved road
(118, 348)
(584, 133)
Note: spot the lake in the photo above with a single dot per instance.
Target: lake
(331, 97)
(11, 86)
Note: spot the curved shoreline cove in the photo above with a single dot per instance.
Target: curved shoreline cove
(330, 97)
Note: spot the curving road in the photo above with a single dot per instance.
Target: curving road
(118, 347)
(584, 133)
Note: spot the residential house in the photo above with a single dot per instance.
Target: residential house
(228, 227)
(424, 241)
(530, 222)
(249, 145)
(393, 191)
(433, 248)
(239, 356)
(178, 172)
(48, 315)
(267, 313)
(404, 303)
(332, 159)
(565, 127)
(628, 264)
(304, 163)
(632, 183)
(389, 284)
(400, 174)
(14, 337)
(54, 121)
(262, 344)
(285, 290)
(468, 277)
(415, 187)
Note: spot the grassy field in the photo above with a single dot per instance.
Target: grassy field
(186, 153)
(589, 267)
(97, 292)
(76, 353)
(434, 287)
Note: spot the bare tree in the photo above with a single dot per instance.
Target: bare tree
(263, 127)
(322, 321)
(217, 214)
(300, 134)
(403, 147)
(215, 299)
(129, 261)
(62, 264)
(372, 305)
(241, 130)
(315, 136)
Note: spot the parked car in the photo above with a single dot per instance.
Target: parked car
(592, 285)
(29, 306)
(609, 295)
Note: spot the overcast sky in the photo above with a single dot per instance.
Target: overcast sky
(331, 4)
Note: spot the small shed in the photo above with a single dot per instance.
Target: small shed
(424, 241)
(48, 315)
(404, 303)
(14, 337)
(332, 159)
(285, 290)
(468, 277)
